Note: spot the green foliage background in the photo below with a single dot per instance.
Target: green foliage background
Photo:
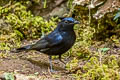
(18, 23)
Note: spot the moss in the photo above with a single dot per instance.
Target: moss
(19, 24)
(99, 65)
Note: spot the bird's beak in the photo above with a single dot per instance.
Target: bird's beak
(76, 22)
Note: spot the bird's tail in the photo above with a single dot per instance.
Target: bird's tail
(24, 48)
(28, 47)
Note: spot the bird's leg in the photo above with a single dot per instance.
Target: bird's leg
(68, 56)
(50, 61)
(61, 59)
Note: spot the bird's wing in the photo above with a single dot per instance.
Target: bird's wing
(54, 39)
(48, 41)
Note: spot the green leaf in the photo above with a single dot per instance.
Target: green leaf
(19, 33)
(9, 76)
(117, 16)
(104, 49)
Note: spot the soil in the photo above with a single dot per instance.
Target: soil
(32, 63)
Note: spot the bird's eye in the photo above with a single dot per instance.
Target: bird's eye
(66, 21)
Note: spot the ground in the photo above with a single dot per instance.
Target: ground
(32, 64)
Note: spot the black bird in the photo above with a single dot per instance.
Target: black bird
(57, 42)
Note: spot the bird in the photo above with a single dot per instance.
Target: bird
(59, 41)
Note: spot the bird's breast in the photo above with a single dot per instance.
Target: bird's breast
(69, 38)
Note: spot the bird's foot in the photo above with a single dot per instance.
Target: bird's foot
(63, 63)
(51, 67)
(51, 71)
(61, 60)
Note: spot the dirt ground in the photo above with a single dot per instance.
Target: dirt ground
(32, 63)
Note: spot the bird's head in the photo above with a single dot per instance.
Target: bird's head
(68, 23)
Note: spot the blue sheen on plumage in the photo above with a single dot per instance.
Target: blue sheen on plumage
(55, 37)
(59, 38)
(69, 19)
